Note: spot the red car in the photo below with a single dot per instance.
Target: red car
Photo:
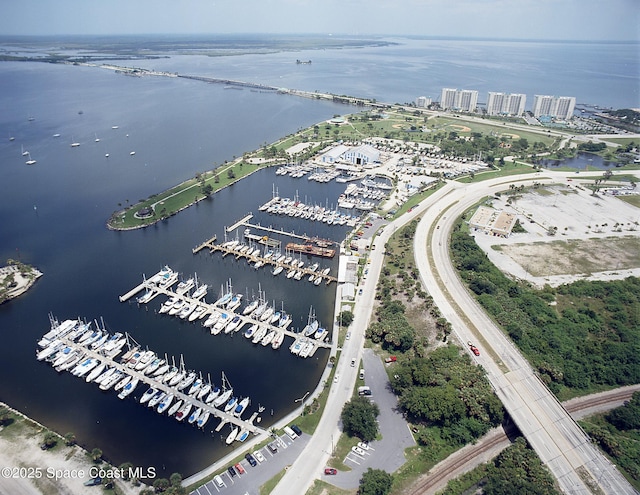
(330, 471)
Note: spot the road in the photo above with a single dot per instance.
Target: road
(557, 439)
(554, 435)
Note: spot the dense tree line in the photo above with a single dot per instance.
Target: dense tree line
(448, 395)
(618, 434)
(590, 337)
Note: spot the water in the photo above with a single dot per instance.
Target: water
(582, 161)
(53, 213)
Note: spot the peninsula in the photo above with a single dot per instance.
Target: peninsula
(15, 279)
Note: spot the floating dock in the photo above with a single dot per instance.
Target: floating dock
(158, 384)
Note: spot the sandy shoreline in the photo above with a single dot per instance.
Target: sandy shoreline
(26, 469)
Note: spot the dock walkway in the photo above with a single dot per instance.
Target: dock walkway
(157, 383)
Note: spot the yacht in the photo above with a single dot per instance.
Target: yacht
(266, 340)
(278, 270)
(211, 320)
(184, 286)
(146, 297)
(233, 324)
(297, 275)
(173, 371)
(277, 341)
(291, 273)
(168, 304)
(260, 333)
(239, 409)
(251, 330)
(285, 321)
(201, 291)
(231, 403)
(204, 390)
(165, 403)
(194, 416)
(222, 322)
(320, 334)
(223, 398)
(267, 314)
(109, 382)
(198, 313)
(162, 369)
(146, 397)
(177, 307)
(224, 299)
(174, 408)
(157, 398)
(72, 361)
(122, 383)
(85, 367)
(213, 395)
(232, 436)
(177, 378)
(234, 302)
(188, 380)
(96, 372)
(251, 307)
(153, 366)
(187, 310)
(184, 411)
(128, 388)
(202, 420)
(145, 360)
(317, 281)
(195, 387)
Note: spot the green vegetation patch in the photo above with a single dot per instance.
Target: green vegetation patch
(573, 347)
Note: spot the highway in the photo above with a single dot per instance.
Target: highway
(554, 435)
(550, 430)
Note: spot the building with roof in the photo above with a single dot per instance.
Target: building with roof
(362, 155)
(464, 100)
(557, 107)
(492, 221)
(506, 104)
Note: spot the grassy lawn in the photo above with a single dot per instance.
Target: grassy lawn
(508, 169)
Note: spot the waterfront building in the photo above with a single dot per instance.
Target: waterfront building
(506, 104)
(355, 155)
(555, 107)
(464, 100)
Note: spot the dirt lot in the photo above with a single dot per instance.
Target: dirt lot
(596, 237)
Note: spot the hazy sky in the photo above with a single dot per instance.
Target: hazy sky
(538, 19)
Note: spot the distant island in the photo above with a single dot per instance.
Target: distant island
(15, 279)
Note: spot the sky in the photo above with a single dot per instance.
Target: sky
(521, 19)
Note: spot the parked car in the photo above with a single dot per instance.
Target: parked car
(258, 455)
(330, 471)
(363, 445)
(358, 450)
(272, 447)
(239, 468)
(297, 430)
(251, 460)
(231, 471)
(353, 362)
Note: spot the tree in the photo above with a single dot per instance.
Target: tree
(50, 440)
(345, 318)
(5, 417)
(96, 455)
(375, 482)
(627, 417)
(69, 439)
(161, 485)
(231, 174)
(359, 418)
(175, 479)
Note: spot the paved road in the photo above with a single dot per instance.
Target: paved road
(557, 439)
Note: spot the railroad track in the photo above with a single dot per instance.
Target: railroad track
(452, 466)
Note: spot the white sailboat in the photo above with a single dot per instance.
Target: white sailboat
(30, 161)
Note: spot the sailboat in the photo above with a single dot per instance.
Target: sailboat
(24, 152)
(97, 138)
(74, 144)
(30, 161)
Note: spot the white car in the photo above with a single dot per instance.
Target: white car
(363, 445)
(335, 378)
(258, 455)
(358, 450)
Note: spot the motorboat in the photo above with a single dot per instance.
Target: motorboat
(211, 396)
(233, 324)
(320, 334)
(122, 383)
(266, 340)
(85, 367)
(145, 360)
(146, 397)
(239, 409)
(231, 403)
(173, 371)
(277, 270)
(251, 307)
(234, 302)
(165, 403)
(198, 313)
(96, 372)
(187, 309)
(128, 388)
(260, 333)
(222, 322)
(157, 398)
(177, 307)
(202, 420)
(251, 330)
(211, 320)
(184, 286)
(194, 416)
(201, 291)
(174, 408)
(278, 339)
(285, 321)
(184, 411)
(109, 382)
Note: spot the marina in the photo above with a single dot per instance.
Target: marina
(64, 343)
(264, 324)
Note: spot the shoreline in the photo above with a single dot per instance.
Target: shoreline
(25, 277)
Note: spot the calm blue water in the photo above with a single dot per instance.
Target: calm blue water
(53, 213)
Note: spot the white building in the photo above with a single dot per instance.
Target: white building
(423, 102)
(464, 100)
(551, 106)
(360, 155)
(506, 104)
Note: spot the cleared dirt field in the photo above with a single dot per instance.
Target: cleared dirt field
(594, 237)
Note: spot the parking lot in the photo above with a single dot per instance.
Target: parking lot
(268, 464)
